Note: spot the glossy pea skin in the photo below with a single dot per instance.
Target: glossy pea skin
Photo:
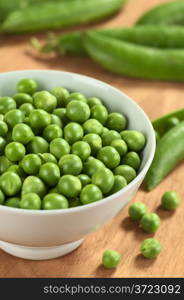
(137, 210)
(132, 159)
(55, 201)
(92, 165)
(73, 132)
(70, 164)
(150, 222)
(1, 117)
(69, 186)
(61, 113)
(5, 163)
(26, 108)
(13, 202)
(92, 101)
(22, 133)
(2, 144)
(150, 248)
(93, 126)
(50, 173)
(33, 184)
(77, 111)
(30, 201)
(15, 151)
(38, 145)
(81, 149)
(7, 104)
(134, 139)
(31, 164)
(75, 97)
(45, 100)
(120, 146)
(61, 95)
(52, 132)
(56, 120)
(26, 85)
(119, 183)
(111, 259)
(10, 183)
(109, 156)
(125, 171)
(13, 117)
(85, 179)
(90, 193)
(3, 128)
(116, 121)
(22, 98)
(104, 179)
(39, 119)
(47, 157)
(94, 141)
(170, 200)
(59, 147)
(2, 197)
(100, 113)
(109, 136)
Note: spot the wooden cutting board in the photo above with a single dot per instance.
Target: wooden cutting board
(121, 234)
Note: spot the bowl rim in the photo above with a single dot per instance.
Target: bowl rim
(106, 199)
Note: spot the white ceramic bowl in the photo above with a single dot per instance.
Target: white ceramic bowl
(49, 234)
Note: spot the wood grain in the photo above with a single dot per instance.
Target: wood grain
(121, 234)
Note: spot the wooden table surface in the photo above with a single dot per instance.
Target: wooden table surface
(156, 98)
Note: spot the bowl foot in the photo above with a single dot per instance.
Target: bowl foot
(39, 253)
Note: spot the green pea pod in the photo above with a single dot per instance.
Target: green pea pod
(134, 60)
(169, 152)
(51, 15)
(167, 13)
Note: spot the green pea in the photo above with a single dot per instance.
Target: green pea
(55, 201)
(150, 222)
(85, 179)
(38, 145)
(70, 164)
(10, 183)
(6, 104)
(2, 197)
(50, 173)
(157, 136)
(93, 126)
(120, 146)
(109, 156)
(109, 136)
(26, 85)
(33, 184)
(94, 101)
(111, 259)
(22, 98)
(53, 190)
(59, 147)
(77, 111)
(31, 164)
(150, 248)
(104, 179)
(52, 132)
(137, 210)
(61, 113)
(73, 132)
(132, 159)
(3, 128)
(94, 141)
(134, 139)
(171, 122)
(90, 193)
(2, 145)
(15, 151)
(1, 117)
(69, 186)
(22, 133)
(30, 201)
(125, 171)
(47, 157)
(75, 97)
(119, 183)
(81, 149)
(5, 163)
(13, 117)
(61, 95)
(105, 130)
(74, 203)
(26, 108)
(45, 100)
(13, 202)
(39, 119)
(116, 121)
(170, 200)
(56, 120)
(92, 165)
(100, 113)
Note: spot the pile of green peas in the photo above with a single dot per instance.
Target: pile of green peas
(59, 149)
